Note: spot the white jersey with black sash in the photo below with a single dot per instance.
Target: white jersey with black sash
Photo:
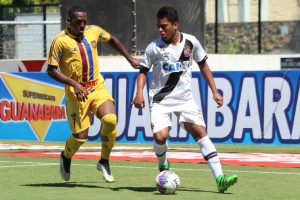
(172, 69)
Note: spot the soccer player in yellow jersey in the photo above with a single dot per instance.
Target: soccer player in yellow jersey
(74, 52)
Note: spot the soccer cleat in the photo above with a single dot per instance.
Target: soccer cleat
(164, 167)
(65, 165)
(107, 175)
(224, 182)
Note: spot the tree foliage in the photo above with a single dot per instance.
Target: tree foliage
(11, 8)
(26, 2)
(5, 2)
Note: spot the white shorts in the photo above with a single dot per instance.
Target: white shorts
(161, 115)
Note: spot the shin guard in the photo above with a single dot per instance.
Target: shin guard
(72, 146)
(108, 134)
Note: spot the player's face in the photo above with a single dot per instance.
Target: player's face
(167, 29)
(78, 23)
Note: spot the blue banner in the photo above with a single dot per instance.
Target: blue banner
(260, 107)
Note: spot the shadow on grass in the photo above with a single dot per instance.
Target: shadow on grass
(136, 189)
(82, 185)
(199, 190)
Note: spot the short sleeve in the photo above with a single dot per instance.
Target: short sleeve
(55, 52)
(199, 53)
(104, 36)
(149, 56)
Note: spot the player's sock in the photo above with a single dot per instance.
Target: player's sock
(108, 134)
(72, 146)
(209, 153)
(161, 153)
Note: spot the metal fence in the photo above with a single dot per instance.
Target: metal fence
(134, 23)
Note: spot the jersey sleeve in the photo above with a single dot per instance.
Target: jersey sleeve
(149, 56)
(104, 36)
(55, 52)
(199, 53)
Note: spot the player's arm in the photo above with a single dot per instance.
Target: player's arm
(117, 45)
(54, 73)
(139, 101)
(206, 73)
(57, 75)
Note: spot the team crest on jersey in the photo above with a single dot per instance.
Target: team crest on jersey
(94, 44)
(187, 51)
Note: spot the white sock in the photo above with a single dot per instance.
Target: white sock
(209, 152)
(161, 152)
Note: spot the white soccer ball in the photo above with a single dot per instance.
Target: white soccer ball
(167, 182)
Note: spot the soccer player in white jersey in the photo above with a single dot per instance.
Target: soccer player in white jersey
(170, 57)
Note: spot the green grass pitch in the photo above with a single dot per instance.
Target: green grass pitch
(30, 178)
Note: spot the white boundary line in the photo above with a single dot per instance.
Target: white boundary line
(33, 164)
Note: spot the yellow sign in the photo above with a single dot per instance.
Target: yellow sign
(35, 102)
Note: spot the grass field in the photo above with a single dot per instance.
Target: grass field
(38, 178)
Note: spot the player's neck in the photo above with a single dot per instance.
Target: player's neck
(176, 38)
(74, 34)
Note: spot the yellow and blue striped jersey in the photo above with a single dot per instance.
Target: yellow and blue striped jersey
(76, 57)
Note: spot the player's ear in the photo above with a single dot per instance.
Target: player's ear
(176, 25)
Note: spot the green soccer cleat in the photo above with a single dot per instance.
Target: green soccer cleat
(164, 167)
(224, 182)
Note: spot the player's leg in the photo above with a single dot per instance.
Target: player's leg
(192, 121)
(160, 147)
(207, 148)
(72, 145)
(209, 153)
(161, 125)
(79, 123)
(106, 113)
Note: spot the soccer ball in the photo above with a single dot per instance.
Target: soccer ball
(167, 182)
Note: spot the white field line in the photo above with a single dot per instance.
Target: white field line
(33, 164)
(53, 147)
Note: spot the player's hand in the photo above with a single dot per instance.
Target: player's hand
(219, 99)
(135, 63)
(138, 102)
(80, 92)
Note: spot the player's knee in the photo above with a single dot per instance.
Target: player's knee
(109, 124)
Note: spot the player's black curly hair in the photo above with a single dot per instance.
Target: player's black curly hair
(168, 12)
(75, 9)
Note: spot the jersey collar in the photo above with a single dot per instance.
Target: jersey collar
(73, 36)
